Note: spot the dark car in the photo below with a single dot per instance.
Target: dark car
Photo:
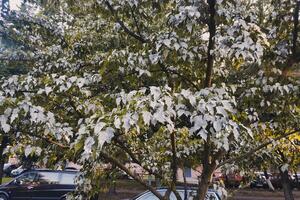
(38, 185)
(191, 194)
(260, 180)
(296, 180)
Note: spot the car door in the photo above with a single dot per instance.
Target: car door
(66, 183)
(47, 184)
(21, 188)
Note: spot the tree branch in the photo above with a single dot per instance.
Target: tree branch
(211, 42)
(135, 21)
(135, 159)
(113, 160)
(187, 80)
(249, 153)
(295, 31)
(124, 27)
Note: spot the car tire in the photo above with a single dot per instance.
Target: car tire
(3, 197)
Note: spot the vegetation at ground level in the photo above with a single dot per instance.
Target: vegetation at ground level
(6, 179)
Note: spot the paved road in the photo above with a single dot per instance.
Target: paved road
(261, 195)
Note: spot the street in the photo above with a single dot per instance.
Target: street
(250, 194)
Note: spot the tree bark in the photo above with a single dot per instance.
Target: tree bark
(208, 167)
(286, 184)
(205, 180)
(268, 180)
(174, 166)
(4, 143)
(184, 183)
(295, 30)
(211, 42)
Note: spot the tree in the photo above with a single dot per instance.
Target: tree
(163, 82)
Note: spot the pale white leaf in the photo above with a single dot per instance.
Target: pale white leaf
(217, 126)
(88, 143)
(126, 122)
(14, 115)
(48, 90)
(105, 136)
(28, 150)
(146, 117)
(99, 126)
(117, 122)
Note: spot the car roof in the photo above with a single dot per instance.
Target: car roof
(182, 188)
(50, 170)
(177, 188)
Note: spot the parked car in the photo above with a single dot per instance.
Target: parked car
(39, 184)
(260, 180)
(231, 179)
(191, 193)
(294, 179)
(8, 167)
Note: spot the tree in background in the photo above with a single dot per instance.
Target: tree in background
(7, 44)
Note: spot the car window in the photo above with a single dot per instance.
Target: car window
(26, 178)
(48, 178)
(150, 196)
(67, 178)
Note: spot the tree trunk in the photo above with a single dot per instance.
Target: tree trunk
(174, 166)
(203, 187)
(185, 183)
(268, 180)
(205, 180)
(286, 184)
(2, 158)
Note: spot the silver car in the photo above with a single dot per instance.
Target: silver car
(191, 194)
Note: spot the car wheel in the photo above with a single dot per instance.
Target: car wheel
(2, 197)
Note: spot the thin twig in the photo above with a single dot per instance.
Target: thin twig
(249, 153)
(124, 27)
